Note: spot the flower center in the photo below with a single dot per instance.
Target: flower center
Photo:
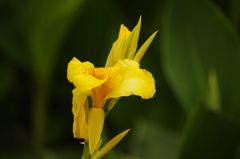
(113, 80)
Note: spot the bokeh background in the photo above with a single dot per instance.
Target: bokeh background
(195, 59)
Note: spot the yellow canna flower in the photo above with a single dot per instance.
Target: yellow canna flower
(125, 78)
(121, 76)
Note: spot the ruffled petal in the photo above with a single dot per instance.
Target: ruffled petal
(134, 81)
(80, 129)
(113, 82)
(76, 67)
(81, 75)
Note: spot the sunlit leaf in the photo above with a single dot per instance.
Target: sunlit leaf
(197, 38)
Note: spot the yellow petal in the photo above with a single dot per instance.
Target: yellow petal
(110, 57)
(113, 82)
(125, 46)
(134, 81)
(130, 46)
(110, 144)
(84, 126)
(144, 47)
(116, 52)
(123, 36)
(80, 129)
(95, 124)
(123, 33)
(76, 67)
(81, 74)
(75, 103)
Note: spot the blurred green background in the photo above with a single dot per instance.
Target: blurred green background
(195, 59)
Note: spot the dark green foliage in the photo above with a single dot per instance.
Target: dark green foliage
(196, 37)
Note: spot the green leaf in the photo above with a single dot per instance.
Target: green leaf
(209, 135)
(151, 140)
(197, 37)
(48, 23)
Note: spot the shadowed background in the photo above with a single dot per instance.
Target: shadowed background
(194, 59)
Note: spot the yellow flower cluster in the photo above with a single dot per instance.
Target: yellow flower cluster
(121, 76)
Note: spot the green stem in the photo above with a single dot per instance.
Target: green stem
(86, 152)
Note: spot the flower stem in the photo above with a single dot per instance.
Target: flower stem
(86, 152)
